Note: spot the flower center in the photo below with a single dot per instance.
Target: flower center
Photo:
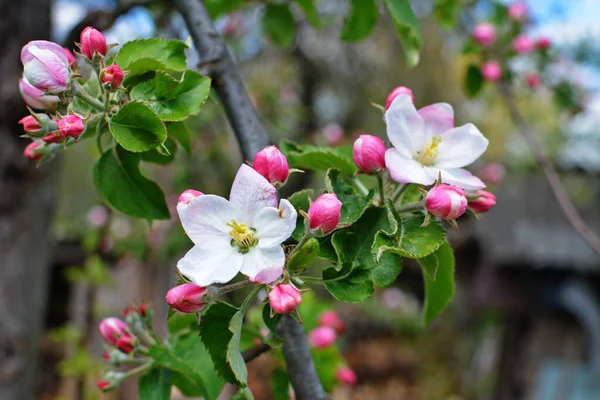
(429, 152)
(242, 236)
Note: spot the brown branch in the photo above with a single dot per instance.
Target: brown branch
(552, 177)
(254, 352)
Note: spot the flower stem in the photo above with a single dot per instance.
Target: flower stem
(307, 236)
(398, 193)
(139, 370)
(408, 208)
(360, 186)
(235, 286)
(381, 188)
(246, 302)
(80, 93)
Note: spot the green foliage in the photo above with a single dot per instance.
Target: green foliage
(216, 8)
(361, 21)
(446, 12)
(301, 201)
(305, 256)
(473, 81)
(180, 132)
(353, 204)
(319, 158)
(310, 11)
(280, 383)
(155, 384)
(137, 128)
(144, 55)
(408, 29)
(279, 25)
(119, 181)
(91, 87)
(411, 240)
(94, 272)
(163, 157)
(438, 276)
(172, 99)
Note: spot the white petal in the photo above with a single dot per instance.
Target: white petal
(405, 128)
(457, 177)
(262, 263)
(47, 69)
(438, 118)
(205, 265)
(405, 169)
(251, 192)
(274, 225)
(205, 218)
(460, 147)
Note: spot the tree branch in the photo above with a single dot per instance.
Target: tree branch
(252, 137)
(552, 177)
(254, 352)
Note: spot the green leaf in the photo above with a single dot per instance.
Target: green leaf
(407, 27)
(279, 25)
(137, 128)
(353, 204)
(180, 322)
(155, 385)
(319, 158)
(216, 8)
(473, 81)
(280, 383)
(119, 181)
(438, 276)
(271, 323)
(300, 201)
(243, 394)
(156, 157)
(172, 99)
(361, 21)
(310, 11)
(356, 287)
(446, 12)
(143, 55)
(181, 133)
(304, 257)
(411, 240)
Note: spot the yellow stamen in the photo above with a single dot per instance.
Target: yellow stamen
(242, 236)
(429, 152)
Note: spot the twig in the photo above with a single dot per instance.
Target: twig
(552, 177)
(254, 352)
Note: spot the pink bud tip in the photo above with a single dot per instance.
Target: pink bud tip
(284, 298)
(113, 75)
(272, 164)
(111, 329)
(543, 43)
(491, 71)
(104, 385)
(484, 34)
(52, 138)
(400, 90)
(321, 337)
(71, 58)
(331, 319)
(517, 11)
(523, 44)
(188, 196)
(71, 125)
(92, 41)
(30, 125)
(125, 344)
(325, 212)
(484, 202)
(187, 298)
(533, 80)
(32, 151)
(346, 375)
(369, 153)
(445, 201)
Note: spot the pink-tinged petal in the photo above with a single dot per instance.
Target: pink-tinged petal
(45, 68)
(217, 263)
(205, 219)
(267, 276)
(274, 225)
(460, 147)
(27, 56)
(262, 263)
(406, 170)
(405, 127)
(457, 177)
(35, 98)
(251, 192)
(438, 119)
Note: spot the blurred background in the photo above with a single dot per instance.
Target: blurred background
(525, 322)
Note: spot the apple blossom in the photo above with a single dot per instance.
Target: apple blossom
(36, 98)
(325, 212)
(111, 329)
(92, 42)
(491, 71)
(32, 151)
(517, 11)
(484, 34)
(331, 319)
(187, 298)
(243, 234)
(426, 144)
(272, 164)
(445, 201)
(46, 66)
(368, 153)
(70, 57)
(484, 202)
(400, 90)
(321, 337)
(71, 125)
(523, 44)
(346, 375)
(284, 298)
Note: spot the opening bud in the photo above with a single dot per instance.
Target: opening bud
(400, 90)
(112, 76)
(325, 212)
(484, 202)
(45, 66)
(36, 98)
(284, 298)
(445, 201)
(188, 196)
(111, 329)
(71, 125)
(272, 164)
(188, 298)
(346, 375)
(321, 337)
(484, 34)
(368, 153)
(92, 42)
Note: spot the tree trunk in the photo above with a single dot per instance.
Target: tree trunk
(26, 205)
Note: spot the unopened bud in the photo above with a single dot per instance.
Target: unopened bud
(523, 44)
(533, 81)
(517, 11)
(346, 375)
(126, 344)
(325, 212)
(321, 337)
(491, 71)
(484, 202)
(400, 90)
(484, 34)
(71, 58)
(71, 125)
(53, 137)
(112, 75)
(331, 319)
(368, 153)
(105, 386)
(32, 151)
(272, 164)
(543, 43)
(188, 298)
(445, 201)
(92, 42)
(30, 125)
(284, 298)
(111, 329)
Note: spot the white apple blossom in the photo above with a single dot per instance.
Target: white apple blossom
(243, 234)
(426, 143)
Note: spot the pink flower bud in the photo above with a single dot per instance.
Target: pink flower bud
(325, 212)
(52, 138)
(104, 385)
(187, 298)
(369, 153)
(30, 125)
(36, 98)
(484, 202)
(543, 43)
(111, 329)
(71, 58)
(284, 298)
(32, 151)
(491, 173)
(445, 201)
(125, 344)
(400, 90)
(333, 134)
(113, 75)
(346, 375)
(71, 125)
(484, 34)
(46, 66)
(533, 80)
(523, 44)
(331, 319)
(517, 11)
(188, 196)
(92, 41)
(272, 164)
(491, 71)
(142, 309)
(106, 356)
(321, 337)
(97, 216)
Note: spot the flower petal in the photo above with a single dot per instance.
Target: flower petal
(205, 218)
(274, 225)
(263, 263)
(405, 169)
(46, 66)
(438, 119)
(405, 127)
(205, 265)
(251, 192)
(457, 177)
(460, 147)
